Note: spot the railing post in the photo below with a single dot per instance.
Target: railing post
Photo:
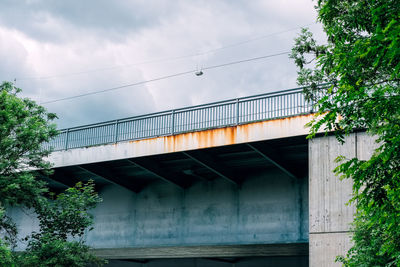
(237, 111)
(172, 122)
(66, 139)
(312, 106)
(116, 132)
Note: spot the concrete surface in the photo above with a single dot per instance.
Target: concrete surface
(330, 216)
(267, 208)
(258, 131)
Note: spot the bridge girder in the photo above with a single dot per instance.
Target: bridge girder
(211, 164)
(272, 156)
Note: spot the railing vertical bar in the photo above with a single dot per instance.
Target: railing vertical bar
(254, 104)
(248, 118)
(216, 116)
(139, 131)
(237, 111)
(150, 126)
(172, 120)
(212, 117)
(116, 132)
(287, 105)
(66, 139)
(191, 124)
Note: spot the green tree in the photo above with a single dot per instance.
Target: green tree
(361, 64)
(65, 217)
(24, 127)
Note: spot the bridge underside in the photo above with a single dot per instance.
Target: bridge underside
(233, 164)
(244, 204)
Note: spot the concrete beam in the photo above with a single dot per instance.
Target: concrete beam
(194, 174)
(240, 134)
(210, 163)
(271, 156)
(64, 177)
(158, 171)
(49, 181)
(105, 174)
(225, 251)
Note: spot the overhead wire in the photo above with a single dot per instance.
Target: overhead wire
(165, 77)
(165, 59)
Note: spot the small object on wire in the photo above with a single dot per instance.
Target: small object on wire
(199, 73)
(199, 67)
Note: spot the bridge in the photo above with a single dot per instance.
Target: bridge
(230, 183)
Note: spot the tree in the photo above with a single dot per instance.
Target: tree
(361, 64)
(24, 127)
(65, 217)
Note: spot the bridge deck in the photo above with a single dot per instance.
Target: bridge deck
(227, 113)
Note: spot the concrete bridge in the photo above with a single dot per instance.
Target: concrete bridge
(231, 183)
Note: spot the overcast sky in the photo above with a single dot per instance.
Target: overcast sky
(58, 49)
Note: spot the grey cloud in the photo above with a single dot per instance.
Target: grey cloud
(101, 107)
(72, 36)
(111, 19)
(13, 58)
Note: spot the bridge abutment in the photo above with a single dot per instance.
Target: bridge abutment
(329, 215)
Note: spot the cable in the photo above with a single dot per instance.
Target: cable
(245, 60)
(105, 68)
(255, 39)
(165, 59)
(165, 77)
(119, 87)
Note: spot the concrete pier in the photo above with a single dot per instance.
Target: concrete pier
(330, 216)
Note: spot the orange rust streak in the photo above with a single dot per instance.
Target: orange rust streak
(220, 136)
(257, 131)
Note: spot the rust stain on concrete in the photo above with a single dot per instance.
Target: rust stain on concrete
(220, 136)
(224, 136)
(256, 131)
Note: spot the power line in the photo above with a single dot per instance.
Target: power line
(168, 58)
(245, 60)
(255, 39)
(119, 87)
(166, 77)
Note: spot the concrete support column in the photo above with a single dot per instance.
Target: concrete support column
(329, 216)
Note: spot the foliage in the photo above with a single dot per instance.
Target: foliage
(361, 64)
(50, 251)
(6, 258)
(68, 214)
(24, 127)
(65, 217)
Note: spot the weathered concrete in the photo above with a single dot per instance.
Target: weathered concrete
(330, 217)
(268, 208)
(258, 131)
(325, 247)
(218, 251)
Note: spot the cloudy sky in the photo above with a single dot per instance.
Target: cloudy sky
(59, 49)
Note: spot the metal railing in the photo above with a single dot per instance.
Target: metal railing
(196, 118)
